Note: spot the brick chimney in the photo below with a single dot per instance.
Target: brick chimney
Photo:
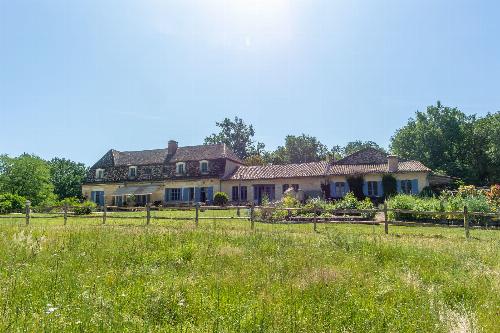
(172, 147)
(392, 162)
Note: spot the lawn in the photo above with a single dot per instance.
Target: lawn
(223, 276)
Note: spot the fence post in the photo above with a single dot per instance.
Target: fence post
(28, 212)
(196, 219)
(148, 213)
(315, 219)
(466, 223)
(386, 219)
(65, 210)
(104, 213)
(289, 214)
(252, 226)
(238, 211)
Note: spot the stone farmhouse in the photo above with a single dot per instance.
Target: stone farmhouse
(186, 175)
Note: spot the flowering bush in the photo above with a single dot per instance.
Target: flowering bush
(493, 196)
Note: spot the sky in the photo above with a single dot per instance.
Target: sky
(80, 77)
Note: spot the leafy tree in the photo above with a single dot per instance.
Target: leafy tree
(485, 152)
(299, 149)
(67, 177)
(440, 138)
(237, 135)
(254, 160)
(27, 176)
(354, 146)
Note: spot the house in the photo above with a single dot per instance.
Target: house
(172, 175)
(193, 174)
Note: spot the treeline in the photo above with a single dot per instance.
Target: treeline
(40, 181)
(443, 138)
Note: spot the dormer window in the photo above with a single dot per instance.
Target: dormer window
(180, 168)
(99, 173)
(132, 171)
(204, 166)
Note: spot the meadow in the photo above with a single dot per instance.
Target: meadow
(222, 276)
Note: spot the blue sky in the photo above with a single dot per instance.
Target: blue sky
(80, 77)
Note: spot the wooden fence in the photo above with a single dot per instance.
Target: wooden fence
(255, 214)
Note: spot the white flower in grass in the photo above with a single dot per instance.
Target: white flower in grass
(50, 309)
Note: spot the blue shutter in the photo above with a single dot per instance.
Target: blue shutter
(398, 186)
(197, 194)
(414, 186)
(92, 196)
(332, 190)
(101, 198)
(347, 190)
(210, 194)
(185, 194)
(380, 189)
(365, 188)
(167, 194)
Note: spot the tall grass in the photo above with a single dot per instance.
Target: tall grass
(222, 276)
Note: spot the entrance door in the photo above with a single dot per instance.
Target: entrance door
(98, 197)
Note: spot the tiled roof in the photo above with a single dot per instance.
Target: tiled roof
(359, 169)
(159, 156)
(204, 152)
(365, 156)
(143, 157)
(279, 171)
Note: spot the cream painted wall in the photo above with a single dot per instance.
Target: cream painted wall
(422, 177)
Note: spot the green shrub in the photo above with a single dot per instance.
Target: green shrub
(85, 208)
(220, 199)
(10, 203)
(366, 204)
(70, 202)
(389, 184)
(349, 201)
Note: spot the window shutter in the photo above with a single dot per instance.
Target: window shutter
(365, 188)
(167, 194)
(332, 190)
(197, 194)
(210, 194)
(92, 196)
(101, 199)
(414, 186)
(398, 186)
(380, 189)
(347, 190)
(185, 194)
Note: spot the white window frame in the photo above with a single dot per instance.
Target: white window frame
(101, 172)
(372, 191)
(201, 168)
(177, 165)
(178, 194)
(130, 168)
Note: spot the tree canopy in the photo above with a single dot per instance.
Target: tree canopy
(237, 135)
(299, 149)
(27, 176)
(449, 141)
(67, 177)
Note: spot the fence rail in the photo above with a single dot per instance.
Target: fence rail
(261, 214)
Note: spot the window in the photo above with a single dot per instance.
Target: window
(234, 193)
(295, 187)
(99, 174)
(406, 186)
(372, 189)
(285, 187)
(204, 166)
(175, 194)
(243, 192)
(132, 172)
(180, 168)
(340, 189)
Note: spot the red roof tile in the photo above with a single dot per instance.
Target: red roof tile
(279, 171)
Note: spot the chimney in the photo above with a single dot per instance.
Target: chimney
(392, 162)
(172, 147)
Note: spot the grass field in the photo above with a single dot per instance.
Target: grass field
(222, 276)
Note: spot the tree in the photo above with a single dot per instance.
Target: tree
(67, 177)
(299, 149)
(28, 176)
(442, 138)
(485, 155)
(354, 146)
(238, 136)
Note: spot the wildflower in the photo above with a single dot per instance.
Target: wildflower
(50, 309)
